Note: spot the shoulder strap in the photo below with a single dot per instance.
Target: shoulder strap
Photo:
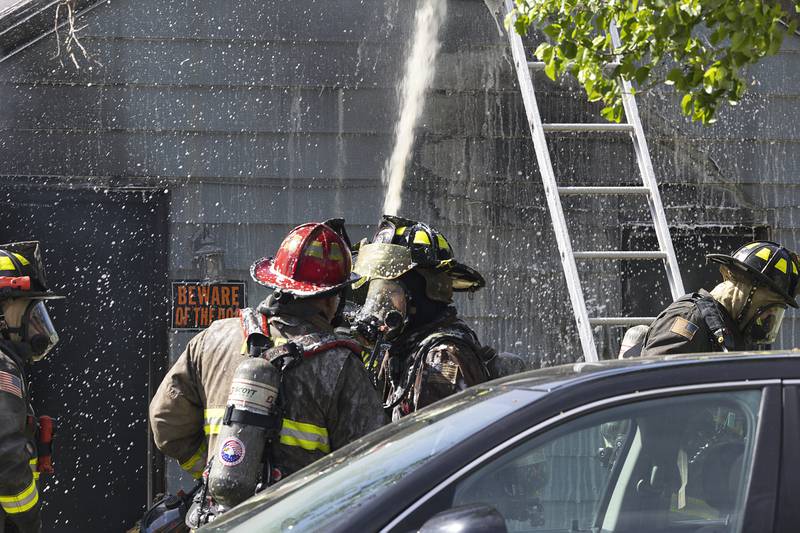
(255, 329)
(314, 344)
(709, 310)
(458, 332)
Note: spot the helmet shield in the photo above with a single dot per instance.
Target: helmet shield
(38, 330)
(382, 261)
(764, 327)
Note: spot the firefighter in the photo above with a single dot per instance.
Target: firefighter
(759, 281)
(27, 334)
(328, 399)
(422, 351)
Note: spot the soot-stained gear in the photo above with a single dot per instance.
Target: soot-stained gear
(328, 399)
(429, 249)
(432, 363)
(695, 323)
(313, 260)
(22, 272)
(767, 264)
(20, 503)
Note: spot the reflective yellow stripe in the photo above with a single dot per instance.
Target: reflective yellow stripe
(421, 237)
(304, 435)
(34, 464)
(443, 244)
(197, 462)
(213, 421)
(21, 502)
(764, 253)
(336, 252)
(7, 264)
(399, 231)
(781, 265)
(314, 249)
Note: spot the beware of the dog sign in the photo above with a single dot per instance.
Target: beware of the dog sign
(195, 304)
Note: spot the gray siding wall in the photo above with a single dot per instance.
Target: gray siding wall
(258, 116)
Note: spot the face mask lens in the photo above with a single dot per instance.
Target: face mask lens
(39, 330)
(384, 235)
(385, 305)
(767, 323)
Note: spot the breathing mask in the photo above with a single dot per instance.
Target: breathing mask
(385, 310)
(35, 327)
(764, 326)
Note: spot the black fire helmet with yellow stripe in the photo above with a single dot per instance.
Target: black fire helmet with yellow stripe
(429, 252)
(767, 264)
(22, 271)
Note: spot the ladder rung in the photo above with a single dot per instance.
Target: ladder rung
(585, 126)
(603, 190)
(620, 255)
(622, 321)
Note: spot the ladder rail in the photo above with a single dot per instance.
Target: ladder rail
(551, 192)
(649, 180)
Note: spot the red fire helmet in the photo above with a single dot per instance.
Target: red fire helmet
(313, 260)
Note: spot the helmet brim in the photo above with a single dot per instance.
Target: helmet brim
(760, 279)
(299, 289)
(464, 278)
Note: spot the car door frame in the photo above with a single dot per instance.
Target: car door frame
(789, 485)
(761, 497)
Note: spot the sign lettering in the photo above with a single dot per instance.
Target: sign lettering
(195, 304)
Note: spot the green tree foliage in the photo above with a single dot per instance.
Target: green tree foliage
(700, 47)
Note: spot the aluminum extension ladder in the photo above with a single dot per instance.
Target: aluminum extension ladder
(553, 193)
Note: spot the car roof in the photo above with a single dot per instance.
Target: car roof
(717, 367)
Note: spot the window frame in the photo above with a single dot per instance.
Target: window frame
(758, 513)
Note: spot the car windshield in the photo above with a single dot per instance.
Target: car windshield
(313, 498)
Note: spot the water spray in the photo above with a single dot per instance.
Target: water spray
(419, 71)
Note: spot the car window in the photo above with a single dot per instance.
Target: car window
(320, 496)
(675, 464)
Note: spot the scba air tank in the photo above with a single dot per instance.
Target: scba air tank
(237, 464)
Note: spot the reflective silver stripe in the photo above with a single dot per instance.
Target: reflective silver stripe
(21, 502)
(304, 435)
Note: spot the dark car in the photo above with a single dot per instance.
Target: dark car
(689, 444)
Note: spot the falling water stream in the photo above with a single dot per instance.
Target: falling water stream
(419, 70)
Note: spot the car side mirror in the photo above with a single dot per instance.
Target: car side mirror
(474, 518)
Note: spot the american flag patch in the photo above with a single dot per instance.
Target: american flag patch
(10, 383)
